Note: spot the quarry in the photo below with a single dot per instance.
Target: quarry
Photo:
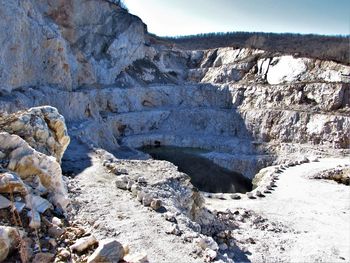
(115, 147)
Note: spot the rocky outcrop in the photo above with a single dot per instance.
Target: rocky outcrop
(31, 182)
(30, 164)
(42, 127)
(229, 65)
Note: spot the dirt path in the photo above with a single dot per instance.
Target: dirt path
(314, 216)
(108, 211)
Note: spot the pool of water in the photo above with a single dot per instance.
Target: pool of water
(205, 175)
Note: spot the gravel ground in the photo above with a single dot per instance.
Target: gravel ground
(313, 217)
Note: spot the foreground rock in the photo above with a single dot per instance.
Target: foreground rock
(25, 161)
(108, 251)
(9, 240)
(43, 128)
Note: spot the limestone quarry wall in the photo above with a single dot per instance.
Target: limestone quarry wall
(66, 43)
(118, 86)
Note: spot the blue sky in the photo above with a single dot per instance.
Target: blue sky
(184, 17)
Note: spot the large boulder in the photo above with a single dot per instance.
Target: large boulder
(28, 163)
(108, 251)
(43, 128)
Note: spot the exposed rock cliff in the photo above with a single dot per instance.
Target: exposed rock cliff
(118, 88)
(66, 43)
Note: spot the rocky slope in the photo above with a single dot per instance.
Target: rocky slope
(118, 88)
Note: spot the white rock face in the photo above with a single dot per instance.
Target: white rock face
(286, 69)
(68, 49)
(34, 51)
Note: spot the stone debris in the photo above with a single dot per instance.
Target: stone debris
(119, 171)
(141, 180)
(209, 255)
(207, 242)
(43, 258)
(223, 247)
(56, 221)
(9, 240)
(156, 204)
(55, 231)
(4, 202)
(35, 220)
(37, 203)
(42, 127)
(235, 196)
(108, 251)
(25, 250)
(135, 189)
(250, 195)
(122, 182)
(174, 230)
(259, 194)
(84, 243)
(147, 199)
(19, 206)
(11, 183)
(170, 217)
(136, 258)
(313, 159)
(140, 195)
(64, 254)
(339, 174)
(129, 185)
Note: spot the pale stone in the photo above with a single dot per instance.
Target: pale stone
(209, 255)
(43, 128)
(64, 254)
(136, 258)
(109, 250)
(83, 243)
(56, 221)
(38, 203)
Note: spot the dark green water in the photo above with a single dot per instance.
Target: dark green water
(205, 175)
